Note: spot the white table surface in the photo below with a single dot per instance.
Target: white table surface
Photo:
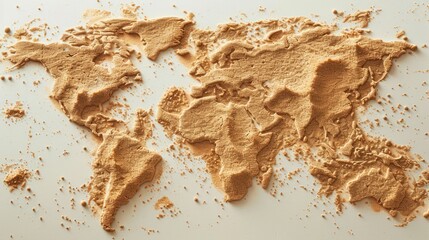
(259, 216)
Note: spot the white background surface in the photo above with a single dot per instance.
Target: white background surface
(259, 215)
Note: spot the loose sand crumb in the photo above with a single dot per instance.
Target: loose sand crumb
(163, 202)
(400, 34)
(15, 111)
(362, 17)
(426, 214)
(17, 178)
